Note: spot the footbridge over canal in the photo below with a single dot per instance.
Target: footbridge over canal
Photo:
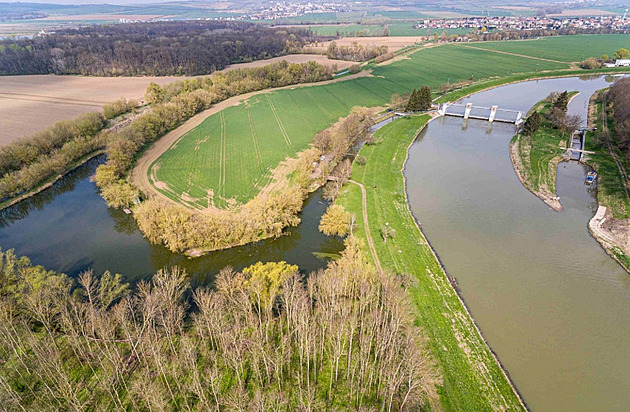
(491, 114)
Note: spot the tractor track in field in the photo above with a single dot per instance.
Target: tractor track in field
(515, 54)
(252, 128)
(285, 135)
(302, 114)
(326, 112)
(142, 169)
(222, 156)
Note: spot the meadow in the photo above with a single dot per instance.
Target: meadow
(563, 48)
(472, 379)
(229, 157)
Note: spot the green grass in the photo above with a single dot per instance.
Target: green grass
(396, 29)
(348, 30)
(563, 48)
(545, 146)
(233, 158)
(467, 386)
(610, 192)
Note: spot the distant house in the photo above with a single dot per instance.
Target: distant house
(619, 63)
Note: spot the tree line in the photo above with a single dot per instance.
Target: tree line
(420, 100)
(262, 339)
(355, 52)
(619, 96)
(28, 162)
(147, 49)
(553, 115)
(177, 102)
(267, 215)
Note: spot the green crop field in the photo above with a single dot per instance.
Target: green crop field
(348, 30)
(396, 29)
(406, 29)
(229, 157)
(563, 48)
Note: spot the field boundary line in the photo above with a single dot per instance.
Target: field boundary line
(282, 129)
(221, 155)
(516, 54)
(141, 169)
(326, 112)
(301, 113)
(337, 97)
(252, 128)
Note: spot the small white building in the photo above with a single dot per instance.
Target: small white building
(620, 63)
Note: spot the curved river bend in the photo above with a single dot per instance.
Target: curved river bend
(551, 303)
(69, 228)
(548, 299)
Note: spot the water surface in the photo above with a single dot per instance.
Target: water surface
(551, 303)
(69, 229)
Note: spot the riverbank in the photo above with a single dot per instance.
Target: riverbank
(488, 84)
(473, 377)
(535, 158)
(611, 224)
(51, 181)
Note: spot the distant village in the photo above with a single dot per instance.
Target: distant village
(285, 9)
(528, 23)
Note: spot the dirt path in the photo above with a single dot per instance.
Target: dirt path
(139, 174)
(517, 55)
(611, 233)
(366, 226)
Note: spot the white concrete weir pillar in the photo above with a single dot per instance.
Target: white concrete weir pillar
(493, 112)
(519, 118)
(442, 109)
(468, 109)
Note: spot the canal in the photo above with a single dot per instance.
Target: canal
(551, 303)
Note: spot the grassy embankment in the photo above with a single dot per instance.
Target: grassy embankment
(473, 379)
(610, 180)
(535, 158)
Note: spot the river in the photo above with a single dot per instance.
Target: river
(69, 228)
(551, 303)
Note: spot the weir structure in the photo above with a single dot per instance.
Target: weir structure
(491, 114)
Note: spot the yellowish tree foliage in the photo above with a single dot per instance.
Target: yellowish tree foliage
(335, 222)
(264, 280)
(120, 194)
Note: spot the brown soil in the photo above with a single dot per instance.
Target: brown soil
(295, 58)
(610, 232)
(543, 193)
(29, 104)
(393, 43)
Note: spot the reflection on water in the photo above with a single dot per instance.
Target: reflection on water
(66, 184)
(68, 228)
(550, 302)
